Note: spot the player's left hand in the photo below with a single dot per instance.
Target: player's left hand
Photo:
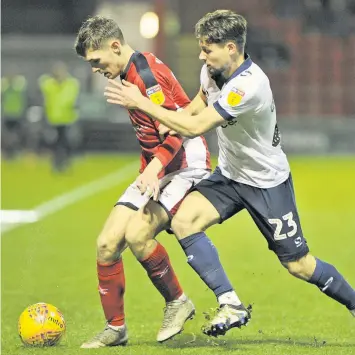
(126, 94)
(148, 183)
(164, 129)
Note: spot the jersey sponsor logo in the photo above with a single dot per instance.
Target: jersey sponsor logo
(230, 123)
(235, 97)
(156, 95)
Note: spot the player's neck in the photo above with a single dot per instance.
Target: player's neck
(127, 53)
(240, 60)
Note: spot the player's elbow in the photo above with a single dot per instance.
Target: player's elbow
(191, 133)
(194, 131)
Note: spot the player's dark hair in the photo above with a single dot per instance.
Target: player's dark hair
(94, 31)
(222, 26)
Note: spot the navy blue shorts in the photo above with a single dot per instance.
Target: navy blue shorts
(273, 210)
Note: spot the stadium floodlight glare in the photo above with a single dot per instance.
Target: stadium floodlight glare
(149, 25)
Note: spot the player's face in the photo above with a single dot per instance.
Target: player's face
(218, 57)
(107, 60)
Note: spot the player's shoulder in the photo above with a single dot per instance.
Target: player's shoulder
(153, 61)
(249, 79)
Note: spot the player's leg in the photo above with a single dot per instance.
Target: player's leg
(142, 229)
(110, 271)
(277, 218)
(211, 201)
(326, 277)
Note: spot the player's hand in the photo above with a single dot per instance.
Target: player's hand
(163, 130)
(126, 94)
(148, 183)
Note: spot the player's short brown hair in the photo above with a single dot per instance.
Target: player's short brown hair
(94, 31)
(222, 26)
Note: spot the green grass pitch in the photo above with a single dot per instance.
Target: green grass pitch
(53, 261)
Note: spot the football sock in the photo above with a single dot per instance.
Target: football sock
(229, 297)
(162, 274)
(111, 288)
(116, 327)
(202, 256)
(330, 281)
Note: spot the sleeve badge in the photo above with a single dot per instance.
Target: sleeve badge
(156, 95)
(235, 96)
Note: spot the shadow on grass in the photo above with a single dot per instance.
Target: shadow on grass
(198, 341)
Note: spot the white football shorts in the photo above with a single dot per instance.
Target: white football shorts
(173, 189)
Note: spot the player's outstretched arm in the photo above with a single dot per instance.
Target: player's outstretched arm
(197, 105)
(130, 97)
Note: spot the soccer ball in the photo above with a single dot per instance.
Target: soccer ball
(41, 324)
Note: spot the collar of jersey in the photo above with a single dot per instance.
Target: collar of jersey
(126, 70)
(245, 65)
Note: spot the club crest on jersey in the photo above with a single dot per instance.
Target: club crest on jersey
(156, 95)
(235, 97)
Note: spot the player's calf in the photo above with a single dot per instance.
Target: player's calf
(326, 277)
(153, 257)
(302, 268)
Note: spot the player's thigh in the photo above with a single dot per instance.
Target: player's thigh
(147, 222)
(112, 235)
(195, 214)
(175, 191)
(275, 213)
(212, 200)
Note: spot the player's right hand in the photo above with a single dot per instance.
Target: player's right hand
(148, 183)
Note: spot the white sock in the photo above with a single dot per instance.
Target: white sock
(116, 327)
(183, 297)
(229, 298)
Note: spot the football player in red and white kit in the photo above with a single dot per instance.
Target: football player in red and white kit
(170, 166)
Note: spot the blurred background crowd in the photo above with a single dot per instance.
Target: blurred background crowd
(51, 101)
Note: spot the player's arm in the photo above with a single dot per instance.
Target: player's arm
(195, 107)
(148, 181)
(129, 96)
(183, 122)
(168, 149)
(198, 104)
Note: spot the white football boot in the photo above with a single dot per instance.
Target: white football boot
(176, 313)
(108, 337)
(227, 317)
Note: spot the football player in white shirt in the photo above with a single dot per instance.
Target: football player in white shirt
(252, 172)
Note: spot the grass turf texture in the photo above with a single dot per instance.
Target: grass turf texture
(54, 261)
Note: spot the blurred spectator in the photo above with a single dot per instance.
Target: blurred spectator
(60, 92)
(14, 103)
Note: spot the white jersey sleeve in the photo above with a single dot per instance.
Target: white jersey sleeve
(238, 97)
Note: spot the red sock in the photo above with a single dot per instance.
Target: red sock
(111, 289)
(161, 273)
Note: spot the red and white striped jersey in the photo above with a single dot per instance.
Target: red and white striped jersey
(156, 81)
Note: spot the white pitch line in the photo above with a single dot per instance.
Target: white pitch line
(60, 202)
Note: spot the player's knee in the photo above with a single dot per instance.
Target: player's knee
(302, 268)
(109, 246)
(184, 224)
(138, 231)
